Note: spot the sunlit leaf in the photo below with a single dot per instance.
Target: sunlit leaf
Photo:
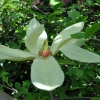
(91, 30)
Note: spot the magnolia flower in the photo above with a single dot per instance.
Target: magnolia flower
(46, 74)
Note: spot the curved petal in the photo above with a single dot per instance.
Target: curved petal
(46, 74)
(75, 52)
(35, 29)
(78, 42)
(14, 54)
(41, 40)
(65, 34)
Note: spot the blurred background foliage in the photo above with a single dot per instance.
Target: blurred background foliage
(82, 80)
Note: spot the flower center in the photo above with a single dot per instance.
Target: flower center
(45, 54)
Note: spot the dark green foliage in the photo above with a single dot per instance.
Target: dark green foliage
(81, 79)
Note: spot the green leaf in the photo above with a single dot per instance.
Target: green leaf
(59, 5)
(54, 2)
(90, 73)
(24, 91)
(5, 79)
(3, 73)
(81, 18)
(70, 71)
(26, 84)
(90, 2)
(91, 30)
(45, 98)
(52, 16)
(63, 94)
(88, 67)
(66, 61)
(78, 35)
(79, 73)
(18, 86)
(76, 85)
(74, 14)
(98, 1)
(61, 10)
(29, 97)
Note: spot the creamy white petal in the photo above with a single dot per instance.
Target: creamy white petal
(41, 40)
(78, 42)
(75, 52)
(15, 54)
(33, 32)
(33, 25)
(46, 74)
(65, 34)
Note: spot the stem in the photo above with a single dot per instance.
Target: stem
(51, 95)
(12, 89)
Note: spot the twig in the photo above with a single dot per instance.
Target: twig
(39, 10)
(51, 96)
(95, 39)
(47, 15)
(93, 84)
(12, 89)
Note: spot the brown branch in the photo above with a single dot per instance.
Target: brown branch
(12, 89)
(39, 9)
(93, 84)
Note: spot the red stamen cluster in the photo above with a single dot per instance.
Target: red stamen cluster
(45, 54)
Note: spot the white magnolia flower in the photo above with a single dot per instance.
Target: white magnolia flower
(46, 73)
